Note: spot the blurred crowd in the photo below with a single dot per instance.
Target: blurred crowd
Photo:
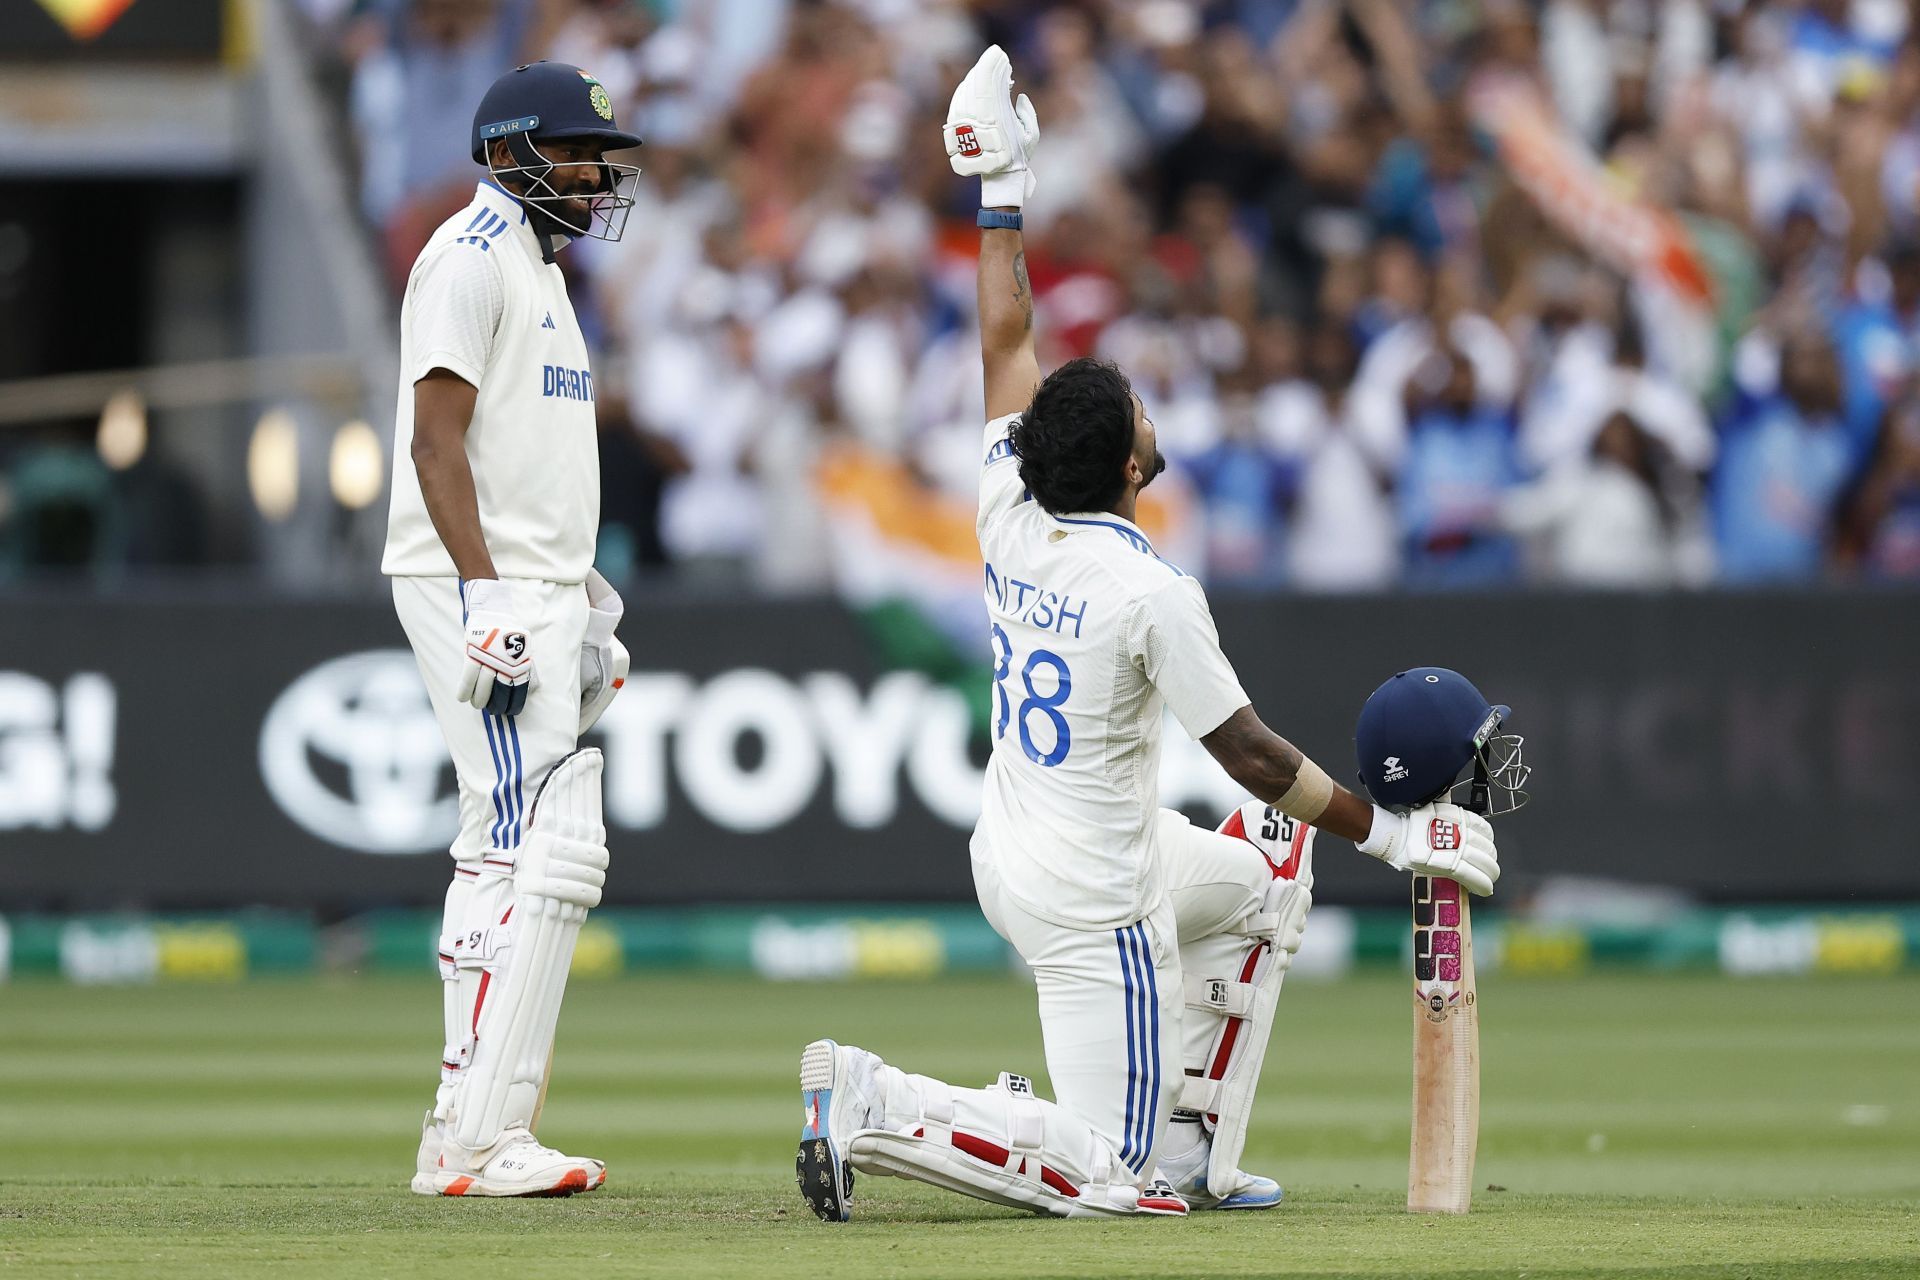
(1442, 294)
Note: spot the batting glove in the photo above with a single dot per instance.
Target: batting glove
(499, 672)
(1437, 840)
(990, 135)
(603, 659)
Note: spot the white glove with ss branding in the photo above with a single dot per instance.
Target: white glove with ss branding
(990, 135)
(1436, 840)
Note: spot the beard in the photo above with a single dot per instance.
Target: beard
(576, 212)
(1159, 465)
(572, 213)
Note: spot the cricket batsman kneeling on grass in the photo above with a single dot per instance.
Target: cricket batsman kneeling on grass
(496, 504)
(1158, 949)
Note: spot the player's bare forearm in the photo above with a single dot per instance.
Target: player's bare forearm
(1006, 322)
(442, 410)
(446, 481)
(1267, 765)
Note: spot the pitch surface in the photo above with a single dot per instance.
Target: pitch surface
(1636, 1127)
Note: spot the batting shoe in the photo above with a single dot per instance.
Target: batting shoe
(1159, 1197)
(427, 1162)
(1187, 1172)
(519, 1166)
(838, 1097)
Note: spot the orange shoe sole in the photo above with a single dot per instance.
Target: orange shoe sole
(576, 1181)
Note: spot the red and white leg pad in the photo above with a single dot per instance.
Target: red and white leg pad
(454, 1007)
(524, 921)
(475, 933)
(1002, 1145)
(1240, 994)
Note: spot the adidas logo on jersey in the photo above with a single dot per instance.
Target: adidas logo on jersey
(548, 322)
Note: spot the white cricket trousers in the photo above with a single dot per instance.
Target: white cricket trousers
(1113, 1017)
(500, 762)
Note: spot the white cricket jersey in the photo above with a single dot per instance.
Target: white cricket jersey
(481, 304)
(1091, 635)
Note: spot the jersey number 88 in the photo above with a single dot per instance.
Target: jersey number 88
(1048, 704)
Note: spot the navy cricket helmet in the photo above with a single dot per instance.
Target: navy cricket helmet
(1420, 730)
(553, 102)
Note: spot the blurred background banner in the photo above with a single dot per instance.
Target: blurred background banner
(1722, 745)
(1571, 344)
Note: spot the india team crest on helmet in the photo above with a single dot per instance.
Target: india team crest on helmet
(597, 95)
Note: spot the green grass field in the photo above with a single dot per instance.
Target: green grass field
(1632, 1127)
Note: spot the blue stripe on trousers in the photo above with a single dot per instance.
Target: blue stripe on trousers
(1136, 1114)
(1133, 1075)
(519, 780)
(497, 831)
(1153, 1040)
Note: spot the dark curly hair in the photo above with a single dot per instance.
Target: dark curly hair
(1073, 441)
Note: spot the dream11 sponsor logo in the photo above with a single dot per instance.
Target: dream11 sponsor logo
(56, 752)
(352, 753)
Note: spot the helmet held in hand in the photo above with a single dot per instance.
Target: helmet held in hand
(1422, 728)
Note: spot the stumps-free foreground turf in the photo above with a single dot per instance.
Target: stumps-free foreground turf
(1630, 1127)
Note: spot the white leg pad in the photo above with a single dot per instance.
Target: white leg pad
(525, 953)
(475, 935)
(1244, 1002)
(455, 1041)
(994, 1148)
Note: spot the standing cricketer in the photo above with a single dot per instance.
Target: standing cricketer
(1157, 948)
(490, 542)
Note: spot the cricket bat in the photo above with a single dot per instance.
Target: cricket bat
(1446, 1042)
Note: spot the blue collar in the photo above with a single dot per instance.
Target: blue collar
(502, 202)
(1134, 536)
(489, 182)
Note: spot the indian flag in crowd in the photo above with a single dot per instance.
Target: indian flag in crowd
(905, 555)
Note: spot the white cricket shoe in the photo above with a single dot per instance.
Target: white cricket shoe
(519, 1166)
(839, 1096)
(427, 1162)
(1187, 1173)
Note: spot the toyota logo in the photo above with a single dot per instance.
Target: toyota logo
(352, 753)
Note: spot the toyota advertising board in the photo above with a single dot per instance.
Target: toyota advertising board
(203, 751)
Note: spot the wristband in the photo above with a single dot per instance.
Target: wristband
(1310, 794)
(995, 220)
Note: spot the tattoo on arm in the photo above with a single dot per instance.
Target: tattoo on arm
(1022, 290)
(1254, 756)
